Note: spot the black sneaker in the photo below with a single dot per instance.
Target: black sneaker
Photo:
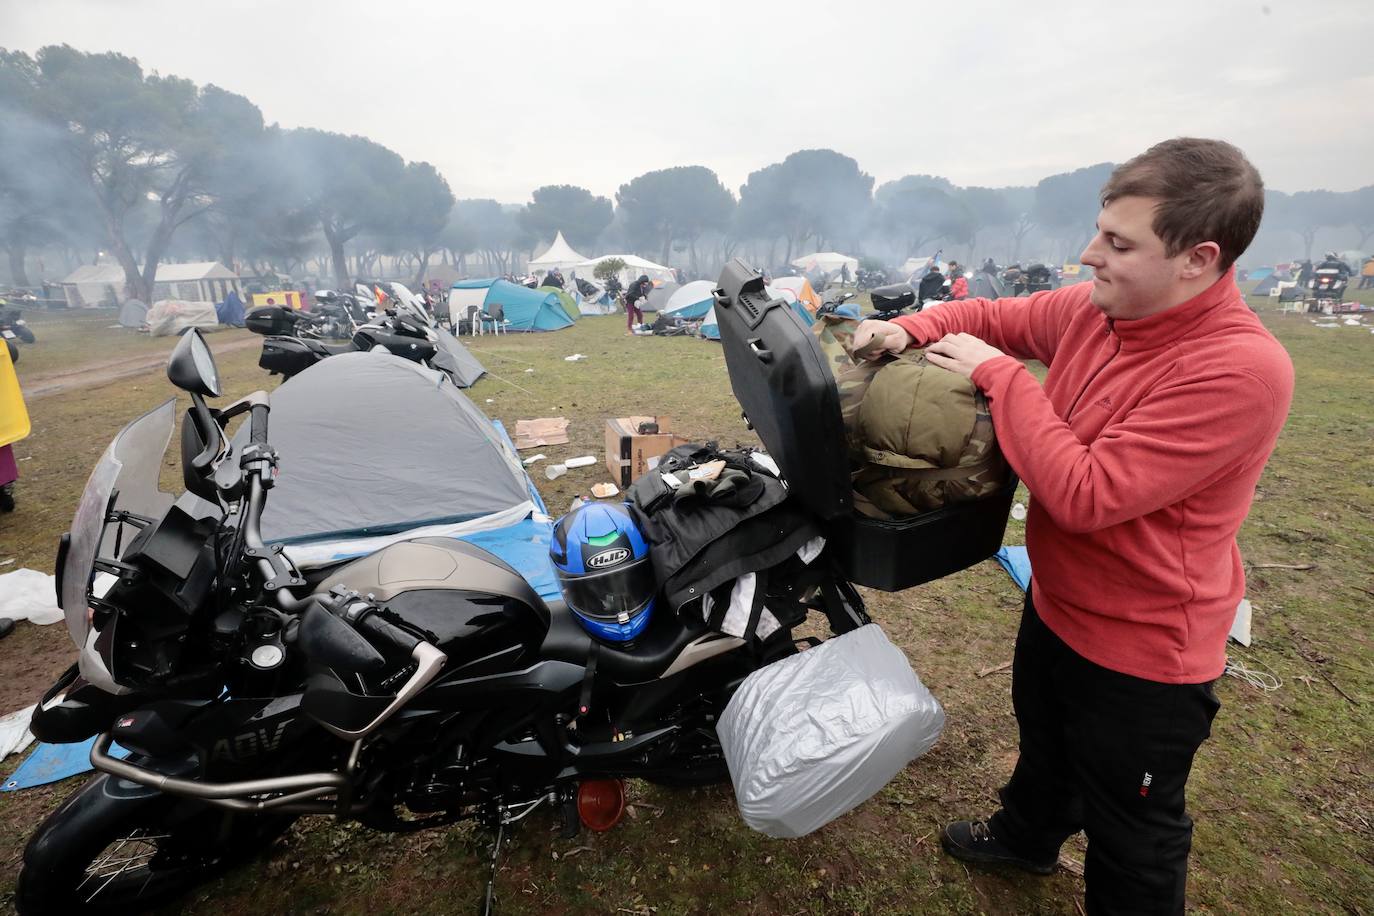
(972, 841)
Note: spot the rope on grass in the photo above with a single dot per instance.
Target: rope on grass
(1259, 677)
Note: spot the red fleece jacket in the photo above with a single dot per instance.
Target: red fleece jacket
(1141, 453)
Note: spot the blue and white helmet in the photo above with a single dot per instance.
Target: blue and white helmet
(602, 561)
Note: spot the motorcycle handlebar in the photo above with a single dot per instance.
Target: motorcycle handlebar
(372, 625)
(257, 429)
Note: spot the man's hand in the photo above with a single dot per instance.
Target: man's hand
(961, 353)
(873, 338)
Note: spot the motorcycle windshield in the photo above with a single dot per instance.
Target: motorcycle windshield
(127, 471)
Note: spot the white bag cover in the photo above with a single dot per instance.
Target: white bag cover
(815, 735)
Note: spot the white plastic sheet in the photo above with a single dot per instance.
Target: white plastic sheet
(813, 736)
(27, 594)
(14, 731)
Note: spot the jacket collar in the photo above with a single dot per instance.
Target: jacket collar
(1175, 323)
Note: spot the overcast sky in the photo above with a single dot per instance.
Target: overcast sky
(505, 96)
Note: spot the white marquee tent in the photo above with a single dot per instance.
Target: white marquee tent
(634, 266)
(827, 262)
(561, 255)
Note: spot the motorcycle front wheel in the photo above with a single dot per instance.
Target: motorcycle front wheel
(129, 858)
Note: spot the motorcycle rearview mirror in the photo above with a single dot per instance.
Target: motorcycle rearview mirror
(327, 639)
(192, 366)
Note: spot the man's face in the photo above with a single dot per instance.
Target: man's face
(1132, 276)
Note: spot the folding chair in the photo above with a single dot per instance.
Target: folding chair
(496, 317)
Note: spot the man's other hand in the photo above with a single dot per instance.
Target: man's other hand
(873, 338)
(961, 353)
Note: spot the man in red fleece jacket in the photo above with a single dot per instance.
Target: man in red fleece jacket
(1164, 398)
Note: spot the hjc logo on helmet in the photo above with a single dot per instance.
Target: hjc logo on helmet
(608, 558)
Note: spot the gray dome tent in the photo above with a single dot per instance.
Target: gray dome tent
(375, 449)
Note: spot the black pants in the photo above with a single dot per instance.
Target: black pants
(1108, 754)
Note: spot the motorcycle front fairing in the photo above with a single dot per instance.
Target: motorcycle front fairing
(122, 492)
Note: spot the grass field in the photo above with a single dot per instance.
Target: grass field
(1281, 793)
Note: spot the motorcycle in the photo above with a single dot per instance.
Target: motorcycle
(14, 328)
(296, 341)
(870, 279)
(412, 688)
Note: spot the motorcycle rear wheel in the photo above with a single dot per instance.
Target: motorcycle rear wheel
(130, 860)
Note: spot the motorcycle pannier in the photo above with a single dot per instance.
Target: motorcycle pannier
(286, 355)
(813, 736)
(784, 383)
(271, 319)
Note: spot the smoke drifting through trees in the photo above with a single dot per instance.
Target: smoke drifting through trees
(99, 156)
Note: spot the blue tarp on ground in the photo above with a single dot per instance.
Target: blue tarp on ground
(526, 309)
(53, 762)
(1016, 562)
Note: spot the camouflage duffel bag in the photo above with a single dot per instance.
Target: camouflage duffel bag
(927, 440)
(920, 436)
(853, 374)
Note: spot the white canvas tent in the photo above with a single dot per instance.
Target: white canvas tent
(827, 262)
(913, 265)
(560, 255)
(103, 284)
(634, 266)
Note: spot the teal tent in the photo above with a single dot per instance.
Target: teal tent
(565, 302)
(526, 309)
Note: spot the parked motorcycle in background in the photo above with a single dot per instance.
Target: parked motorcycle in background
(14, 329)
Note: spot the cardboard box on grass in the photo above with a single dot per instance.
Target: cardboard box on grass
(629, 452)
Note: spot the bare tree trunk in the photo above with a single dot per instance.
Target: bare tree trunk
(423, 263)
(336, 253)
(16, 252)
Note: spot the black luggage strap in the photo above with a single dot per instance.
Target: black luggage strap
(584, 702)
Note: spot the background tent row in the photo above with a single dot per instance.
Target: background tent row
(695, 301)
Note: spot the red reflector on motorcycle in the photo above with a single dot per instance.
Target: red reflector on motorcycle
(601, 803)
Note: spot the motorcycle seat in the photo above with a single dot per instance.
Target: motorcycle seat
(644, 660)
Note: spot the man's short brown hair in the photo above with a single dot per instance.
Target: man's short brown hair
(1207, 192)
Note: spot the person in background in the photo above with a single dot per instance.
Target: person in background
(932, 285)
(989, 267)
(1332, 261)
(1142, 450)
(553, 278)
(1304, 277)
(958, 287)
(634, 297)
(1367, 273)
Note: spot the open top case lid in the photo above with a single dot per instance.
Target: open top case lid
(780, 377)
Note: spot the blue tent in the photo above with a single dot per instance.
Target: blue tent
(710, 328)
(691, 301)
(230, 311)
(526, 309)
